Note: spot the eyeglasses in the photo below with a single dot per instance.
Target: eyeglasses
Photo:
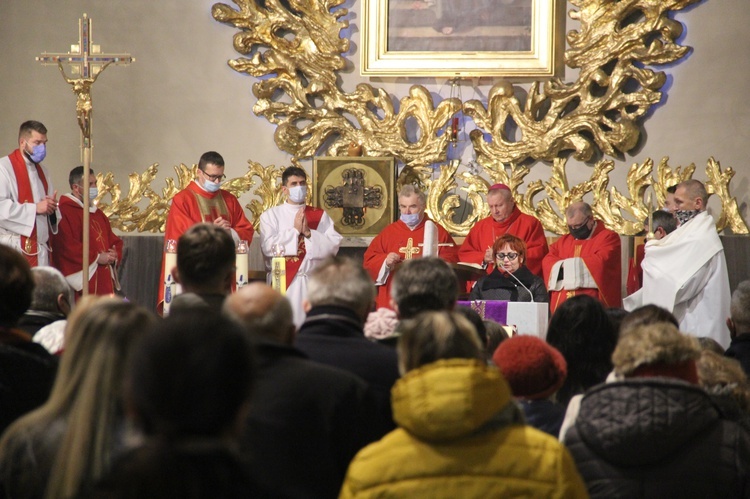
(585, 221)
(509, 256)
(214, 178)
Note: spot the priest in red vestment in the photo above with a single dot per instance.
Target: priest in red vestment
(204, 201)
(403, 240)
(585, 261)
(505, 218)
(105, 248)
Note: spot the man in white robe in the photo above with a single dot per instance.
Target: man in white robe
(28, 202)
(302, 234)
(686, 271)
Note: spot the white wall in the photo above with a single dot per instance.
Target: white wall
(180, 98)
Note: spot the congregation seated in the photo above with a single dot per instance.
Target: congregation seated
(189, 382)
(306, 420)
(27, 370)
(459, 433)
(62, 448)
(511, 280)
(739, 326)
(656, 433)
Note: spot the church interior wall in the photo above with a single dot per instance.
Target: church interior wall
(180, 98)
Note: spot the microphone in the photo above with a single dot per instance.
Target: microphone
(522, 285)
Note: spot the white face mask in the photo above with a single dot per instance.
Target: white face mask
(298, 193)
(93, 192)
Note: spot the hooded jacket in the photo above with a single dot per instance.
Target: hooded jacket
(658, 437)
(460, 435)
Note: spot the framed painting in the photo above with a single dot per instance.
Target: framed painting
(356, 192)
(520, 39)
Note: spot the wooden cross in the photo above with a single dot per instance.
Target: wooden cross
(409, 249)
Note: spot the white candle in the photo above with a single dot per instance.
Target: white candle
(170, 262)
(241, 264)
(430, 247)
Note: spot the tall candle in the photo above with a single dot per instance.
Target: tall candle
(241, 264)
(170, 262)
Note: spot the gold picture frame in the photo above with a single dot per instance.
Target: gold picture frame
(526, 45)
(356, 192)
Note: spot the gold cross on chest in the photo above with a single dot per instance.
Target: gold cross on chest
(409, 249)
(85, 57)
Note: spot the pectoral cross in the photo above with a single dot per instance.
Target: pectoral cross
(409, 249)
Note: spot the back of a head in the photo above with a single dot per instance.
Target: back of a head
(581, 330)
(49, 284)
(740, 307)
(191, 376)
(98, 338)
(205, 257)
(432, 336)
(262, 311)
(534, 369)
(339, 281)
(725, 380)
(476, 321)
(16, 286)
(657, 350)
(664, 219)
(647, 314)
(428, 277)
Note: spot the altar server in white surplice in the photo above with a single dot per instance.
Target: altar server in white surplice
(686, 271)
(304, 234)
(28, 202)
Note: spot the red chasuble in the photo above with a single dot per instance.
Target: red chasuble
(486, 231)
(601, 254)
(395, 238)
(67, 245)
(25, 195)
(194, 205)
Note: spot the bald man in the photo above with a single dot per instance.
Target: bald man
(586, 261)
(686, 271)
(306, 420)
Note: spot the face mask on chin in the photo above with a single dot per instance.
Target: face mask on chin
(684, 216)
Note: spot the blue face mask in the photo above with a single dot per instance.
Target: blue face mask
(38, 154)
(211, 186)
(93, 192)
(410, 219)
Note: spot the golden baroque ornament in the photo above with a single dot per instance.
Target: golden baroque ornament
(295, 47)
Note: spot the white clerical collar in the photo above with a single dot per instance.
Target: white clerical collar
(92, 207)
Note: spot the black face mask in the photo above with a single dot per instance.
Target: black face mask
(581, 232)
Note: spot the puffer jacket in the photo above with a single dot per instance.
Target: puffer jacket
(460, 435)
(658, 437)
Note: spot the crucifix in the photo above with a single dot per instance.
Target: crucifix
(87, 63)
(409, 250)
(354, 197)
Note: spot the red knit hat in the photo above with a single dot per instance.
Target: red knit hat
(533, 368)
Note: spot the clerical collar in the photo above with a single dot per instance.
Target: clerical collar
(92, 206)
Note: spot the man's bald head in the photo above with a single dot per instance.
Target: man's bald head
(690, 195)
(263, 312)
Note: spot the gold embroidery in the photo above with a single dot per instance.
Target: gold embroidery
(409, 249)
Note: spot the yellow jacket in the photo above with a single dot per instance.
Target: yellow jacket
(460, 435)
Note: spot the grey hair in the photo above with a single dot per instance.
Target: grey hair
(49, 283)
(574, 208)
(423, 276)
(739, 310)
(339, 281)
(409, 190)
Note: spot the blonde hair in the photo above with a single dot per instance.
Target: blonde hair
(432, 336)
(87, 393)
